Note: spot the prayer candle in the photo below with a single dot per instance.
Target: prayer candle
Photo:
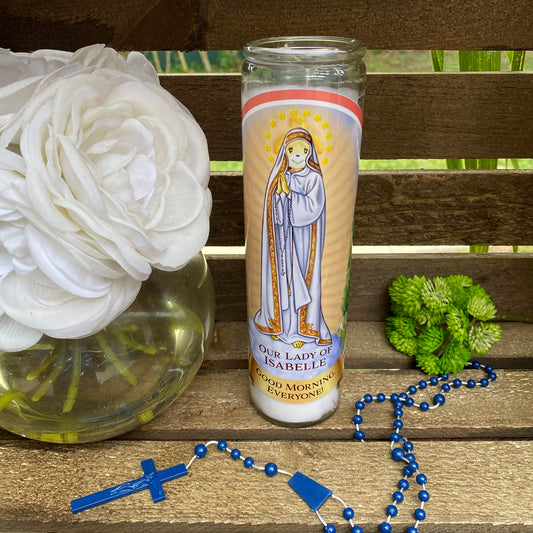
(302, 121)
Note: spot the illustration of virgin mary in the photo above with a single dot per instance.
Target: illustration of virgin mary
(294, 219)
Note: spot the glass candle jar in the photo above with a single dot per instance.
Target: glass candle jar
(302, 121)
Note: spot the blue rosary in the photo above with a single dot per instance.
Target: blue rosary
(313, 493)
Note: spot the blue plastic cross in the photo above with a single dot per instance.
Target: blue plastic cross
(152, 480)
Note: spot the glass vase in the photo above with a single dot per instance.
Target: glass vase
(83, 390)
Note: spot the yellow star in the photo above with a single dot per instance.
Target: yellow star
(268, 135)
(328, 135)
(324, 160)
(329, 148)
(294, 112)
(267, 147)
(318, 118)
(307, 113)
(325, 125)
(273, 123)
(281, 116)
(270, 158)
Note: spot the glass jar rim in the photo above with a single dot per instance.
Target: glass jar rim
(305, 49)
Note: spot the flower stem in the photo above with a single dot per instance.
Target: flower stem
(73, 387)
(128, 341)
(45, 363)
(114, 360)
(59, 365)
(6, 397)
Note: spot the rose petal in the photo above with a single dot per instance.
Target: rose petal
(142, 175)
(181, 202)
(35, 303)
(79, 173)
(61, 269)
(15, 337)
(183, 245)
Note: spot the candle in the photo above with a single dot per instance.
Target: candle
(301, 121)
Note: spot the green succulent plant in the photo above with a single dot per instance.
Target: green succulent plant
(441, 322)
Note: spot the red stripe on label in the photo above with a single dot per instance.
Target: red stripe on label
(303, 94)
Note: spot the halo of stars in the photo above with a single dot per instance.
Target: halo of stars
(314, 123)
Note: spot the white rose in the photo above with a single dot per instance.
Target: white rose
(111, 180)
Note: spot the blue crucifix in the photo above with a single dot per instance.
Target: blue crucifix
(152, 480)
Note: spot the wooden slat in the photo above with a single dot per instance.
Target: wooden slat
(508, 278)
(368, 354)
(475, 487)
(438, 207)
(418, 115)
(217, 24)
(200, 414)
(368, 348)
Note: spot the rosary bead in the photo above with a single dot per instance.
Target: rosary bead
(457, 383)
(476, 365)
(397, 497)
(359, 434)
(444, 377)
(471, 383)
(493, 376)
(446, 387)
(360, 405)
(424, 406)
(271, 469)
(348, 513)
(412, 389)
(423, 495)
(403, 484)
(357, 529)
(411, 529)
(395, 437)
(222, 445)
(398, 454)
(409, 402)
(249, 462)
(407, 472)
(422, 384)
(410, 457)
(398, 412)
(403, 396)
(484, 382)
(398, 424)
(200, 450)
(421, 479)
(408, 446)
(392, 510)
(394, 398)
(433, 380)
(357, 419)
(439, 399)
(235, 453)
(330, 528)
(420, 514)
(368, 398)
(380, 398)
(413, 466)
(489, 369)
(385, 527)
(398, 404)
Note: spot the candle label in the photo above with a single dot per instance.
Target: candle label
(301, 157)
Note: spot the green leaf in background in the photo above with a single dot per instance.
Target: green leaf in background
(437, 60)
(517, 59)
(480, 61)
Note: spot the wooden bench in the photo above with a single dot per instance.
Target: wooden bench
(477, 450)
